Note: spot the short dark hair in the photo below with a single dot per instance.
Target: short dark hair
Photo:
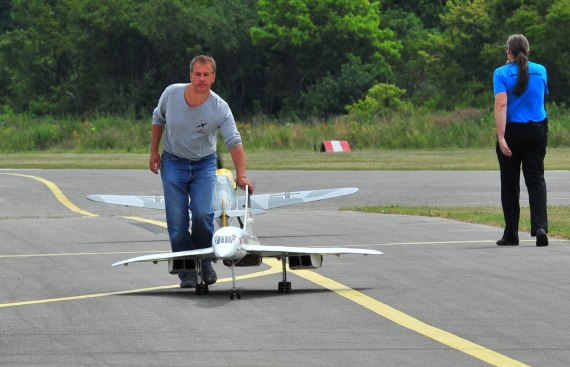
(203, 59)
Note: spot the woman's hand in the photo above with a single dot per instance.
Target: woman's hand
(504, 147)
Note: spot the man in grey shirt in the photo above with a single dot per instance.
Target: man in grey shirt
(189, 115)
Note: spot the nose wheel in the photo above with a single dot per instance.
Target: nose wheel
(235, 292)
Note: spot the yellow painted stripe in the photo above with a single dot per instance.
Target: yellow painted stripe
(86, 296)
(79, 254)
(150, 221)
(475, 350)
(272, 270)
(58, 194)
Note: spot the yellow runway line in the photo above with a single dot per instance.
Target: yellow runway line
(411, 323)
(57, 193)
(15, 256)
(272, 270)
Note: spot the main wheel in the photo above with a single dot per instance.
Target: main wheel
(284, 287)
(202, 289)
(235, 293)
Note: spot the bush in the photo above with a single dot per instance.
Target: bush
(382, 100)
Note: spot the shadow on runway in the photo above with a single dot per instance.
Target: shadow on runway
(223, 294)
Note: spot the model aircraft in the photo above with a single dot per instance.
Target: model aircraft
(227, 205)
(240, 247)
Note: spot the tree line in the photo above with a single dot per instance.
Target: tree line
(279, 58)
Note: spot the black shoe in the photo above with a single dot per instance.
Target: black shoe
(503, 242)
(541, 238)
(208, 274)
(188, 279)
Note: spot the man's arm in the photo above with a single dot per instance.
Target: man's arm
(238, 156)
(154, 160)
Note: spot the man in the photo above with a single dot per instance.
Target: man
(189, 116)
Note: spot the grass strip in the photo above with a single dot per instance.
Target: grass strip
(380, 159)
(558, 216)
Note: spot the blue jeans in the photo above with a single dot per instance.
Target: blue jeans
(183, 179)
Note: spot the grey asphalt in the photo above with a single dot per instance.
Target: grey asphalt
(443, 294)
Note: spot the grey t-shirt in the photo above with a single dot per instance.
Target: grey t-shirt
(190, 132)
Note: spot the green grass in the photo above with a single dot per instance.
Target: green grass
(414, 129)
(381, 159)
(74, 160)
(558, 216)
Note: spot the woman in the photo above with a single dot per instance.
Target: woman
(520, 117)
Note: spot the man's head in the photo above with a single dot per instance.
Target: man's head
(203, 59)
(202, 72)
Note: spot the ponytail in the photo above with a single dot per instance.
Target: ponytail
(522, 71)
(518, 44)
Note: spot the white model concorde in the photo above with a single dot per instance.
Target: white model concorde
(233, 245)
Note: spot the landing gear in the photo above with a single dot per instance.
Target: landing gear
(235, 293)
(202, 289)
(284, 286)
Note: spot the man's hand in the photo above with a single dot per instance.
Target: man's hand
(243, 182)
(154, 162)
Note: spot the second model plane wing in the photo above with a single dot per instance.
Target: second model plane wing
(141, 201)
(260, 201)
(277, 200)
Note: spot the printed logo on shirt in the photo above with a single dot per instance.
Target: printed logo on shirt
(201, 126)
(534, 73)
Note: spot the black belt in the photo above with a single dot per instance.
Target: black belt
(543, 123)
(527, 122)
(173, 157)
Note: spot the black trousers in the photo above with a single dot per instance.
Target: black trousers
(528, 144)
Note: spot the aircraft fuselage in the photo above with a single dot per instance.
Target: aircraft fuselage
(227, 243)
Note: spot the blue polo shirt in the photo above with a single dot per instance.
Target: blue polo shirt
(529, 106)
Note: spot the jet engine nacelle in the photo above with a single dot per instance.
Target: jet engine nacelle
(311, 261)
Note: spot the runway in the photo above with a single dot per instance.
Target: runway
(443, 294)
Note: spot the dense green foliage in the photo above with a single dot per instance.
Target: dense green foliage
(288, 59)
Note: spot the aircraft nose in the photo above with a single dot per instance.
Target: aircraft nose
(223, 251)
(226, 243)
